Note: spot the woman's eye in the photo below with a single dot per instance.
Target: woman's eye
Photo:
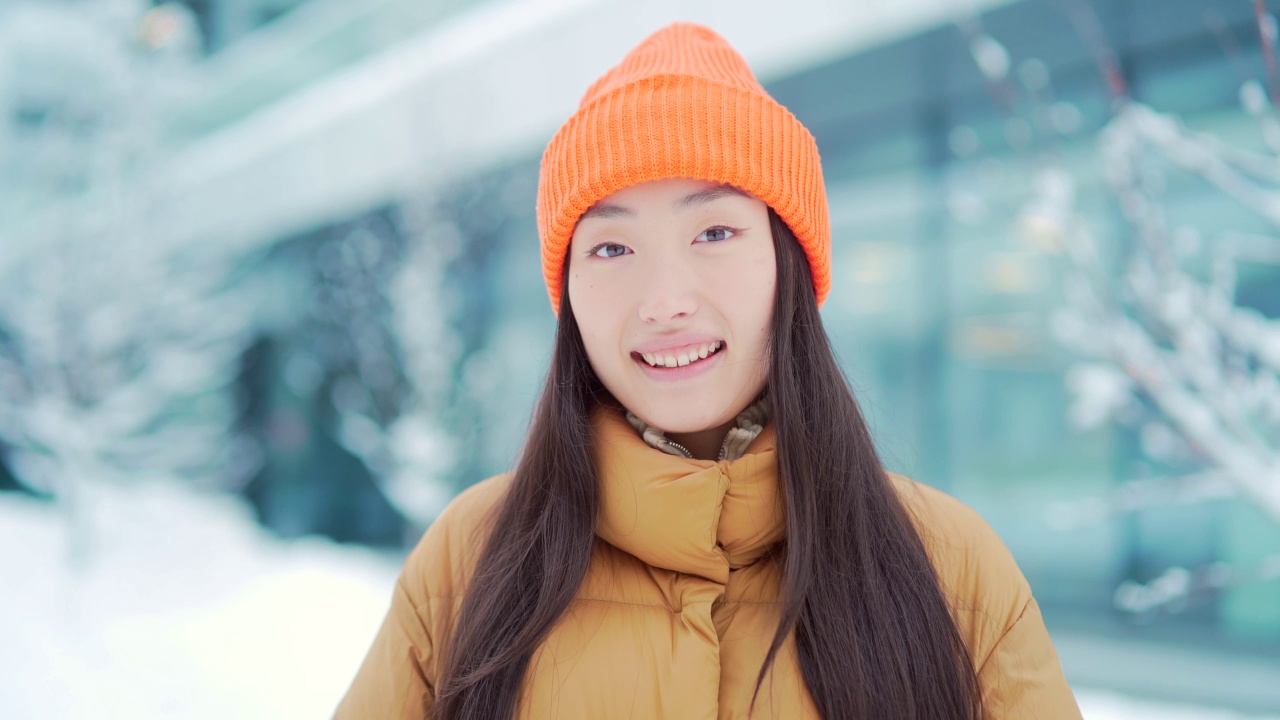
(608, 250)
(715, 234)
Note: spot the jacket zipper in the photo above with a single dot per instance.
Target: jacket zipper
(683, 450)
(688, 454)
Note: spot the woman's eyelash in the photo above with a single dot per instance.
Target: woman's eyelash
(593, 251)
(731, 231)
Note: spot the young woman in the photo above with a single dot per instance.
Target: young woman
(699, 526)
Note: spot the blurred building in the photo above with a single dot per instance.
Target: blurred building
(223, 22)
(411, 124)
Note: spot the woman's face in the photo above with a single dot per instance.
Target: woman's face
(672, 285)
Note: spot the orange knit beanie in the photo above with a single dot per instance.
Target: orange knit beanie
(682, 104)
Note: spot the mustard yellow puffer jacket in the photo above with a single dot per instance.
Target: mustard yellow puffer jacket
(678, 606)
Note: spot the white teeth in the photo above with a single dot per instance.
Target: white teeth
(681, 359)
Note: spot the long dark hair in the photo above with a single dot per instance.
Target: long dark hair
(873, 631)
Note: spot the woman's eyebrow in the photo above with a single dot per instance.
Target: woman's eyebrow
(702, 197)
(607, 211)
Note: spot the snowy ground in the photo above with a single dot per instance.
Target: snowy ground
(189, 610)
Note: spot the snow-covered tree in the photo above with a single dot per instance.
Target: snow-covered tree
(1166, 337)
(1164, 344)
(381, 345)
(471, 366)
(116, 346)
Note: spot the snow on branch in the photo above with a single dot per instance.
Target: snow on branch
(1165, 338)
(1166, 342)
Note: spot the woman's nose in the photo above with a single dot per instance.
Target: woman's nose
(669, 291)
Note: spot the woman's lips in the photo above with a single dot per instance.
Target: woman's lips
(679, 356)
(665, 344)
(691, 368)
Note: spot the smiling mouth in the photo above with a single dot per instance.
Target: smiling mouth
(687, 356)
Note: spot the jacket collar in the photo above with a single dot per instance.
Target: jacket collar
(699, 517)
(747, 426)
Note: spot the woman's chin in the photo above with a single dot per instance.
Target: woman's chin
(683, 423)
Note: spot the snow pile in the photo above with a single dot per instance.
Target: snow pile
(186, 610)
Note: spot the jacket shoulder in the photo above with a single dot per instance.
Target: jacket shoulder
(983, 582)
(399, 673)
(440, 564)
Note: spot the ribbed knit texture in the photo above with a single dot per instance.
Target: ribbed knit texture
(682, 104)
